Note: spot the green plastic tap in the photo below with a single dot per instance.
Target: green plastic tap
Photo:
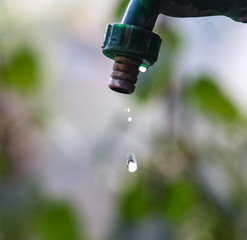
(133, 44)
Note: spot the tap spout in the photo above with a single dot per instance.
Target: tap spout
(142, 13)
(132, 44)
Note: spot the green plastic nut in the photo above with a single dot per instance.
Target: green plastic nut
(131, 41)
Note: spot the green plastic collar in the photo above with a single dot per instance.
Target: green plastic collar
(131, 41)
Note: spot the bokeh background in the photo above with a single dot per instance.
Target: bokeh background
(64, 135)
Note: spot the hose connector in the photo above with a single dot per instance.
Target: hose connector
(124, 75)
(131, 47)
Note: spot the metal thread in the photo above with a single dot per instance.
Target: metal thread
(124, 75)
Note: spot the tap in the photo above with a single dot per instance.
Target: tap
(133, 44)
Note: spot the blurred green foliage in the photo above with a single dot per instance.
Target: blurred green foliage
(23, 214)
(178, 202)
(20, 71)
(4, 165)
(56, 221)
(204, 94)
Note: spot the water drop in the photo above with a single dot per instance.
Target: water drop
(142, 69)
(127, 110)
(131, 162)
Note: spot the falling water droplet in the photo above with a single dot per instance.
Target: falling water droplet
(131, 162)
(142, 69)
(127, 110)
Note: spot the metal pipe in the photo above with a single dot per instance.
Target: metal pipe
(142, 13)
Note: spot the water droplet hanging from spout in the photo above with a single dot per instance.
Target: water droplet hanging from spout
(142, 69)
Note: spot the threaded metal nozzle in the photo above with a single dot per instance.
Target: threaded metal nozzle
(124, 75)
